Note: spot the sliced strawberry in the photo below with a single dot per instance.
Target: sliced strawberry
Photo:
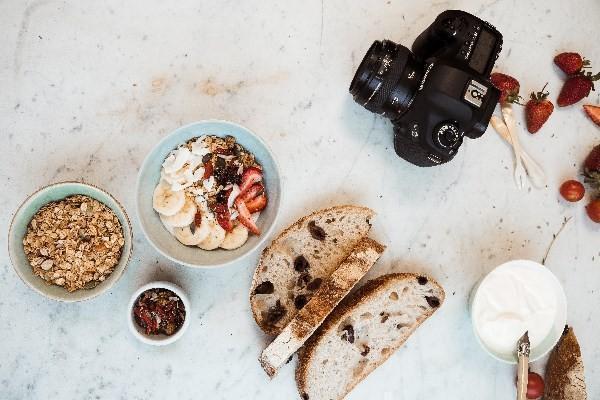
(250, 176)
(223, 217)
(257, 204)
(245, 218)
(253, 191)
(208, 169)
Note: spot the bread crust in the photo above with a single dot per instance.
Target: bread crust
(279, 240)
(565, 378)
(362, 295)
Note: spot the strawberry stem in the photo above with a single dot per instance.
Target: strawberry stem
(541, 95)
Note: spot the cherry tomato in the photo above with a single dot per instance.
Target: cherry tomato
(593, 210)
(535, 386)
(572, 190)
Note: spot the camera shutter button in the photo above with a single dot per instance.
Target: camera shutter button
(448, 134)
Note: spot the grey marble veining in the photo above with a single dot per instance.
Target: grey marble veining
(89, 87)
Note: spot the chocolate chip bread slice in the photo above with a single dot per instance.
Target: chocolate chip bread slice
(300, 259)
(331, 292)
(362, 332)
(565, 378)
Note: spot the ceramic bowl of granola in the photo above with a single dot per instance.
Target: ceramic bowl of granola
(208, 194)
(70, 241)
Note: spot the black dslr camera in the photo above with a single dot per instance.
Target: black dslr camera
(436, 94)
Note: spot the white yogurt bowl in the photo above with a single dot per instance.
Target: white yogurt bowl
(158, 340)
(545, 289)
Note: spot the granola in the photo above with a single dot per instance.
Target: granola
(75, 243)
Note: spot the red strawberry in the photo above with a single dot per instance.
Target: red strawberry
(576, 88)
(255, 190)
(508, 87)
(593, 112)
(257, 204)
(245, 218)
(591, 167)
(223, 216)
(571, 63)
(250, 176)
(538, 110)
(208, 169)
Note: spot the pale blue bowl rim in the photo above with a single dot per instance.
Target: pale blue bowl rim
(125, 258)
(264, 235)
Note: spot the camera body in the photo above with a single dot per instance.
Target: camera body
(436, 94)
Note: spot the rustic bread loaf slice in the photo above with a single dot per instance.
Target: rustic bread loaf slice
(565, 378)
(362, 332)
(331, 292)
(303, 256)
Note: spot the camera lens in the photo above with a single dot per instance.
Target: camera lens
(387, 79)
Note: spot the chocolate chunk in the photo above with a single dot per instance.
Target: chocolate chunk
(316, 231)
(275, 313)
(304, 396)
(315, 284)
(384, 317)
(433, 302)
(422, 280)
(264, 288)
(301, 264)
(300, 301)
(365, 351)
(348, 334)
(400, 326)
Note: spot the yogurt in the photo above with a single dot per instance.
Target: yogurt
(514, 298)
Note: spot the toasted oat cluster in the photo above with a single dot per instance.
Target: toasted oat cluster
(75, 243)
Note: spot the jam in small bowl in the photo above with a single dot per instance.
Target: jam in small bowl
(158, 313)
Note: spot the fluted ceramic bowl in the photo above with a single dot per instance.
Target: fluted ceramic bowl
(25, 213)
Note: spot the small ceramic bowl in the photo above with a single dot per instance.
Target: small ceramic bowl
(149, 177)
(560, 318)
(18, 228)
(158, 340)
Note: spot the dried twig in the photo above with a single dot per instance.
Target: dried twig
(554, 237)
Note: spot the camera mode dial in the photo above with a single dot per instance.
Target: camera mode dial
(448, 135)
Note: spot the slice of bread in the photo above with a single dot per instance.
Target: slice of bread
(362, 332)
(302, 257)
(565, 378)
(331, 292)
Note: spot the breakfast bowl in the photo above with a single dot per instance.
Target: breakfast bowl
(515, 297)
(33, 207)
(159, 188)
(140, 311)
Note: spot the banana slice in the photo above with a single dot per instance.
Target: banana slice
(191, 237)
(167, 202)
(214, 238)
(236, 238)
(184, 217)
(168, 227)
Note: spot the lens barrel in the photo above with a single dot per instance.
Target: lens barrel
(387, 79)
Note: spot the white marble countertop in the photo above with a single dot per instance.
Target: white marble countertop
(89, 87)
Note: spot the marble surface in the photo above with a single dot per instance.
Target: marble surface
(88, 87)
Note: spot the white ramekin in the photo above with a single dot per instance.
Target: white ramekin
(559, 322)
(158, 340)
